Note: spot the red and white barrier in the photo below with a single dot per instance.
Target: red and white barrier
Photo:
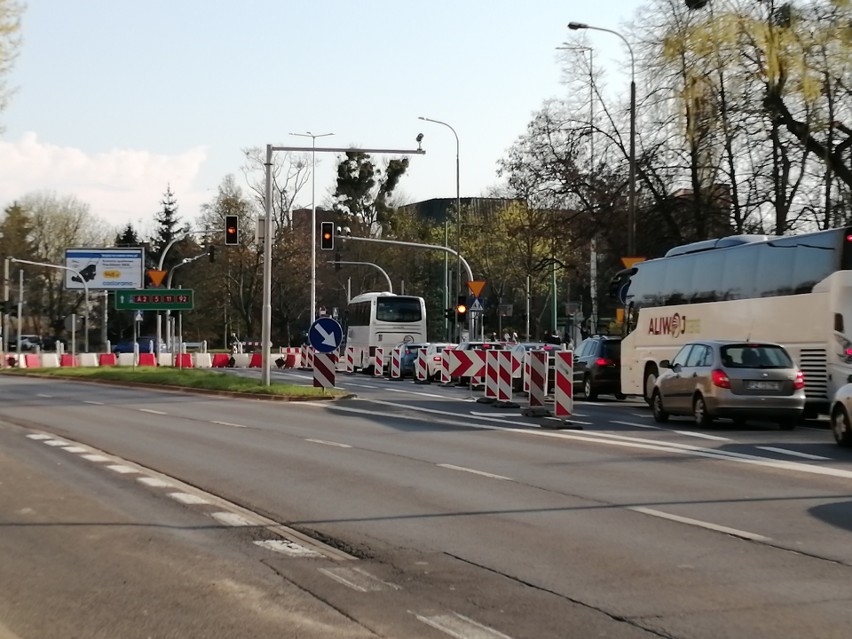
(350, 359)
(379, 362)
(396, 363)
(324, 365)
(492, 375)
(564, 387)
(470, 364)
(505, 362)
(421, 367)
(448, 362)
(535, 362)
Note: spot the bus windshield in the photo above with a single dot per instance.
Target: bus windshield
(398, 309)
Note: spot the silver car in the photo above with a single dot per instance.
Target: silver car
(841, 409)
(738, 380)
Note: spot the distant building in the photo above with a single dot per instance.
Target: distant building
(441, 209)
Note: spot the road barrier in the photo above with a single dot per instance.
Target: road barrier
(324, 365)
(535, 380)
(421, 367)
(564, 387)
(350, 359)
(396, 363)
(379, 362)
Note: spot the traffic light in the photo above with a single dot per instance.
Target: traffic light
(450, 313)
(461, 307)
(327, 236)
(232, 230)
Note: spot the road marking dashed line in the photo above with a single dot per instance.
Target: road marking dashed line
(358, 579)
(155, 482)
(287, 547)
(460, 627)
(471, 470)
(743, 534)
(152, 411)
(232, 519)
(122, 469)
(218, 423)
(793, 453)
(327, 443)
(689, 433)
(96, 458)
(188, 498)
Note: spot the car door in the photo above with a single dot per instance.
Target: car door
(580, 362)
(694, 372)
(672, 385)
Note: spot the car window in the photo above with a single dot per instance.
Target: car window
(611, 349)
(682, 356)
(756, 356)
(697, 355)
(581, 351)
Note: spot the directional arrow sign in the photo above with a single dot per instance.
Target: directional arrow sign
(325, 334)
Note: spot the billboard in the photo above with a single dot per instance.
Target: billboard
(105, 269)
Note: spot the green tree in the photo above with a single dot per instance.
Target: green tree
(128, 237)
(168, 228)
(364, 192)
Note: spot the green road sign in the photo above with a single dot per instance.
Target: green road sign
(154, 299)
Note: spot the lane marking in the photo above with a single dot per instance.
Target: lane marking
(287, 547)
(75, 449)
(122, 469)
(55, 442)
(650, 426)
(743, 534)
(155, 482)
(793, 453)
(96, 458)
(460, 627)
(44, 395)
(188, 498)
(326, 443)
(358, 579)
(689, 433)
(232, 519)
(362, 385)
(476, 414)
(229, 424)
(471, 470)
(39, 436)
(89, 401)
(152, 411)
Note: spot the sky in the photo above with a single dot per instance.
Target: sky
(115, 100)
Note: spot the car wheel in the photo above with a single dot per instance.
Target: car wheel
(699, 411)
(620, 396)
(589, 390)
(841, 427)
(660, 415)
(650, 382)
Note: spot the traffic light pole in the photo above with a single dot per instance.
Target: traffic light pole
(266, 323)
(376, 266)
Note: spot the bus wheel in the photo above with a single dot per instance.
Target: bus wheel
(699, 411)
(841, 427)
(650, 380)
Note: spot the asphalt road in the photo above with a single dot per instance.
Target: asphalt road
(410, 511)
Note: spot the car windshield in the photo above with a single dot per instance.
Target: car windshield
(611, 348)
(755, 356)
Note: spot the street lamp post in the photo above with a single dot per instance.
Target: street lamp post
(313, 137)
(631, 202)
(458, 219)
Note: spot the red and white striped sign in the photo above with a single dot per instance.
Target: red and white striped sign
(396, 363)
(535, 362)
(492, 374)
(324, 365)
(303, 357)
(421, 368)
(350, 359)
(564, 387)
(379, 362)
(469, 364)
(448, 362)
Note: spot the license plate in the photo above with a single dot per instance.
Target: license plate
(761, 385)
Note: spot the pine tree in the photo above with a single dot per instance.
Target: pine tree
(128, 237)
(168, 228)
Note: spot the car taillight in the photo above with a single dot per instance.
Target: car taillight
(800, 380)
(603, 361)
(720, 379)
(436, 358)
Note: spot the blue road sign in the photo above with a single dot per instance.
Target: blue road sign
(325, 334)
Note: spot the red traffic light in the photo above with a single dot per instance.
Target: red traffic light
(232, 230)
(327, 236)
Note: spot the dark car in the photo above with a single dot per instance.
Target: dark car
(597, 366)
(145, 345)
(49, 343)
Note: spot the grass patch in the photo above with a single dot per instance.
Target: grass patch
(184, 378)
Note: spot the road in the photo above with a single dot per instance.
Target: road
(409, 511)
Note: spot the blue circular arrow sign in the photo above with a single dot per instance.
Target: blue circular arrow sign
(325, 334)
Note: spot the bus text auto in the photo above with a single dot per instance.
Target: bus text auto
(794, 290)
(383, 320)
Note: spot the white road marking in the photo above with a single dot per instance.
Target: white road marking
(154, 482)
(689, 433)
(151, 410)
(96, 458)
(793, 453)
(358, 579)
(743, 534)
(232, 519)
(361, 385)
(56, 442)
(75, 449)
(651, 426)
(39, 436)
(229, 424)
(188, 498)
(460, 627)
(89, 401)
(471, 470)
(473, 412)
(121, 468)
(43, 395)
(287, 547)
(326, 443)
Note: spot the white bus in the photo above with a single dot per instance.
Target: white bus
(794, 290)
(385, 320)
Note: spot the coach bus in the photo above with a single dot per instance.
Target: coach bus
(793, 290)
(383, 319)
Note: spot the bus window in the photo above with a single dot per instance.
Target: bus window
(738, 274)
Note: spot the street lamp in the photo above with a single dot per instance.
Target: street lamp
(458, 218)
(313, 137)
(631, 202)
